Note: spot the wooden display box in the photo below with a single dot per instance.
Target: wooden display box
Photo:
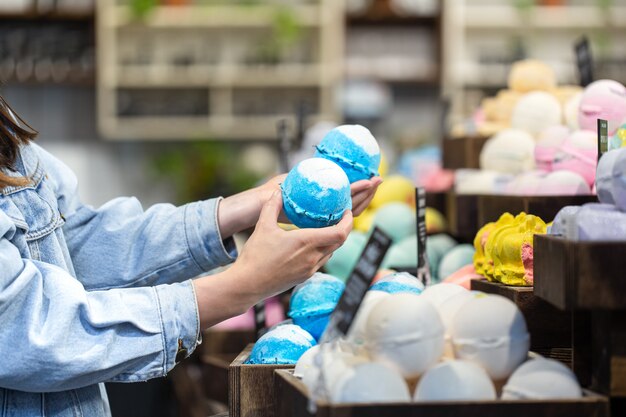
(491, 207)
(462, 216)
(252, 387)
(294, 400)
(580, 275)
(550, 328)
(463, 152)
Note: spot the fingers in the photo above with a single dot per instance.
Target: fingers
(323, 261)
(271, 209)
(329, 236)
(363, 185)
(362, 205)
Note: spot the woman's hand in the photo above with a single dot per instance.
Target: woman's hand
(273, 260)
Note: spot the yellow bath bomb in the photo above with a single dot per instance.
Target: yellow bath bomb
(364, 221)
(530, 75)
(487, 269)
(383, 168)
(435, 222)
(394, 188)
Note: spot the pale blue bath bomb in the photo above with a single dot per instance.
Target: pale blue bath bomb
(397, 220)
(354, 149)
(402, 254)
(281, 346)
(399, 282)
(316, 193)
(436, 247)
(455, 259)
(345, 258)
(313, 301)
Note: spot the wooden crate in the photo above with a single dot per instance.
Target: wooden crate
(491, 207)
(608, 352)
(580, 275)
(462, 216)
(294, 399)
(549, 328)
(252, 387)
(462, 152)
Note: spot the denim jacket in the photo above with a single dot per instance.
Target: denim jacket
(93, 295)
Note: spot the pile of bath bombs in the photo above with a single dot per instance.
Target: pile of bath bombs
(504, 249)
(599, 221)
(433, 345)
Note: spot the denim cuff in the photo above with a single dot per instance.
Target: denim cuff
(204, 238)
(180, 321)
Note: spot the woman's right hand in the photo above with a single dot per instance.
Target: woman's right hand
(272, 260)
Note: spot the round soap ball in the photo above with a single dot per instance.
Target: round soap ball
(511, 151)
(542, 379)
(356, 333)
(398, 282)
(602, 99)
(618, 180)
(344, 259)
(397, 220)
(363, 222)
(563, 183)
(455, 380)
(491, 332)
(395, 188)
(354, 149)
(549, 142)
(306, 361)
(439, 293)
(370, 383)
(529, 75)
(402, 254)
(316, 193)
(313, 301)
(455, 259)
(283, 345)
(535, 112)
(436, 248)
(604, 176)
(570, 111)
(579, 154)
(406, 332)
(435, 221)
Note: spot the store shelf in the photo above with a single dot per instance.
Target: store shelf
(210, 16)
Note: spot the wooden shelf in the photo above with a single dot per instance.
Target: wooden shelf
(54, 16)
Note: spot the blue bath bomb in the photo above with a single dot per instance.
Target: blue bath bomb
(313, 301)
(354, 149)
(345, 258)
(399, 282)
(455, 259)
(316, 193)
(436, 247)
(282, 345)
(397, 220)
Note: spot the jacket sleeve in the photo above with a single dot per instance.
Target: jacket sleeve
(121, 245)
(57, 336)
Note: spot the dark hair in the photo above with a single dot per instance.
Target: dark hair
(14, 131)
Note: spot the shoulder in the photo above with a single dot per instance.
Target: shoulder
(61, 177)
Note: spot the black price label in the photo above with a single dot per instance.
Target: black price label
(284, 145)
(357, 285)
(259, 318)
(603, 137)
(584, 61)
(423, 272)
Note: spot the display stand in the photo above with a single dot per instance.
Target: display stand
(463, 152)
(294, 398)
(462, 215)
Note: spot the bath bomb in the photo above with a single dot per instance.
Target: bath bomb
(603, 99)
(399, 282)
(328, 366)
(435, 221)
(483, 243)
(402, 254)
(451, 305)
(579, 154)
(535, 112)
(354, 149)
(437, 246)
(548, 144)
(499, 344)
(454, 259)
(618, 140)
(542, 379)
(565, 93)
(564, 183)
(363, 222)
(395, 188)
(618, 181)
(345, 258)
(530, 75)
(463, 277)
(370, 383)
(455, 380)
(306, 361)
(313, 301)
(405, 331)
(356, 333)
(283, 345)
(498, 109)
(316, 193)
(438, 294)
(509, 152)
(597, 222)
(564, 217)
(527, 183)
(604, 176)
(481, 182)
(397, 220)
(570, 111)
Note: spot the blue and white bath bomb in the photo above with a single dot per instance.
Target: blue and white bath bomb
(316, 193)
(354, 149)
(398, 282)
(281, 346)
(313, 301)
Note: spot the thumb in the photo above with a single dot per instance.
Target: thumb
(271, 209)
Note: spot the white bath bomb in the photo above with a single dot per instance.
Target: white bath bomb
(439, 293)
(535, 112)
(370, 383)
(455, 380)
(356, 334)
(481, 182)
(570, 111)
(511, 151)
(405, 331)
(542, 379)
(306, 361)
(491, 332)
(563, 183)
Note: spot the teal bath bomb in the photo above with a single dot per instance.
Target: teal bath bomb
(436, 248)
(402, 254)
(397, 220)
(455, 259)
(345, 258)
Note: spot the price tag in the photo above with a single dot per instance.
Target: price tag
(423, 270)
(584, 61)
(357, 285)
(259, 318)
(284, 145)
(603, 137)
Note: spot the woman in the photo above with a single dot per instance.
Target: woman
(93, 295)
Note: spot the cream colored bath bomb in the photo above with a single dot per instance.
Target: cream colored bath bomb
(529, 75)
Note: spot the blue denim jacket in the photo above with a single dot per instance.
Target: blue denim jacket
(93, 295)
